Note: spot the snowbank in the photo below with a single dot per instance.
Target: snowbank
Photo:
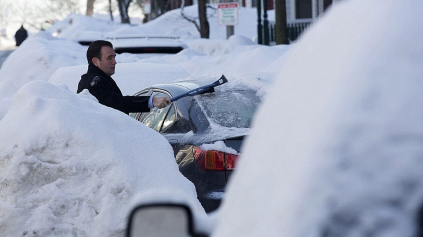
(131, 77)
(336, 148)
(173, 23)
(36, 59)
(78, 27)
(70, 165)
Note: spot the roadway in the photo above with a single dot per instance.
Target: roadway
(4, 53)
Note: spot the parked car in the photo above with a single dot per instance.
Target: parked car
(206, 132)
(336, 151)
(138, 44)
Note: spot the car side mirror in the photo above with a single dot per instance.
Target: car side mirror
(160, 220)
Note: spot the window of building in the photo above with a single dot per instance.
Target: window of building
(326, 4)
(303, 9)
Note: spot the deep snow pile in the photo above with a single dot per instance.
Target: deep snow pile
(70, 166)
(238, 58)
(80, 27)
(171, 23)
(36, 59)
(336, 148)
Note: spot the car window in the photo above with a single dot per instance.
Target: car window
(174, 123)
(230, 108)
(169, 119)
(154, 119)
(142, 93)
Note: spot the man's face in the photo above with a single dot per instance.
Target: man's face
(107, 61)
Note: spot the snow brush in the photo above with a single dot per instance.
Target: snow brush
(202, 89)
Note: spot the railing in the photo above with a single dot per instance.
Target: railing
(294, 30)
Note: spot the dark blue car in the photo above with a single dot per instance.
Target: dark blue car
(206, 132)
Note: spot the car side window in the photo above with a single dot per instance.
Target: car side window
(170, 118)
(154, 118)
(141, 93)
(175, 122)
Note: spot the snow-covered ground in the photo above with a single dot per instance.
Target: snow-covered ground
(335, 148)
(70, 166)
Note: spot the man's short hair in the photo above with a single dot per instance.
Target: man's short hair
(94, 50)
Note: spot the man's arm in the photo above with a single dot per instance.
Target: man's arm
(161, 102)
(106, 96)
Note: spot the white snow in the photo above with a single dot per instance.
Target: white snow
(219, 146)
(336, 148)
(36, 59)
(70, 166)
(131, 77)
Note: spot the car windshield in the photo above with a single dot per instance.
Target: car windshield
(230, 108)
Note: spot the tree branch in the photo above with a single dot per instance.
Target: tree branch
(187, 18)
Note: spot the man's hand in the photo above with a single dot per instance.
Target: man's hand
(161, 102)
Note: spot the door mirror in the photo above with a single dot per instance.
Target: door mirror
(160, 220)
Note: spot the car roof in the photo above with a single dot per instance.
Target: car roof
(176, 87)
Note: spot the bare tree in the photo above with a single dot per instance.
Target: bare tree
(123, 10)
(141, 4)
(4, 13)
(60, 9)
(90, 7)
(34, 14)
(111, 10)
(204, 23)
(158, 8)
(203, 27)
(281, 23)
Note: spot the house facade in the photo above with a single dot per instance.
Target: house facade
(299, 13)
(298, 10)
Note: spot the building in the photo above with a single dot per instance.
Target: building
(298, 10)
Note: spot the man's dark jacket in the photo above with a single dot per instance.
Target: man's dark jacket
(105, 89)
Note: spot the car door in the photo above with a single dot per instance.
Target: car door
(155, 118)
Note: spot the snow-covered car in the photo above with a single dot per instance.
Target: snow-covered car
(147, 44)
(206, 132)
(87, 37)
(336, 147)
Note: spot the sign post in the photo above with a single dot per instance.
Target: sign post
(147, 7)
(228, 16)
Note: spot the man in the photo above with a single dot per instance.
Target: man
(101, 66)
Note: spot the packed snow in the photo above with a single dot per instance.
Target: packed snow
(336, 148)
(219, 146)
(70, 166)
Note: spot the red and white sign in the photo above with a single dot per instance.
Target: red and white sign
(147, 7)
(227, 13)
